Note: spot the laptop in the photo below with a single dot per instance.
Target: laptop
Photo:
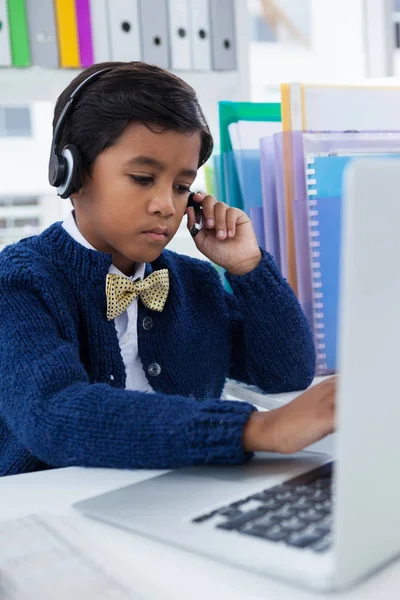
(306, 519)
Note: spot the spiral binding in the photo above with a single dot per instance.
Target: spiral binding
(316, 276)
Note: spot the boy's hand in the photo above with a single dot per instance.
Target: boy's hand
(227, 238)
(293, 427)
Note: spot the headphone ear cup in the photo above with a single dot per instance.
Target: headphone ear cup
(72, 180)
(76, 175)
(57, 169)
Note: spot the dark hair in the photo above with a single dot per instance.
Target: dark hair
(131, 91)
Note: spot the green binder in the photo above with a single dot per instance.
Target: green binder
(232, 112)
(20, 49)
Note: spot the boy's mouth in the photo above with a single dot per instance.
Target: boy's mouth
(157, 233)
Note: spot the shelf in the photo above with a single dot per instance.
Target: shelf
(35, 84)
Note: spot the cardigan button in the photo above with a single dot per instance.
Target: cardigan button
(147, 323)
(154, 369)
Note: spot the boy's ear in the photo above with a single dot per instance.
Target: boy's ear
(79, 194)
(76, 196)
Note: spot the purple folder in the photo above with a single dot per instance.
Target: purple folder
(280, 202)
(84, 32)
(300, 223)
(269, 198)
(257, 220)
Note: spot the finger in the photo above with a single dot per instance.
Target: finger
(329, 383)
(199, 196)
(231, 218)
(220, 210)
(191, 218)
(208, 204)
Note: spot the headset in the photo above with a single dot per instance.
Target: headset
(65, 169)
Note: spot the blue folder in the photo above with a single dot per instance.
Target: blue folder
(325, 193)
(249, 175)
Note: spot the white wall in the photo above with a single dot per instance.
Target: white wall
(336, 52)
(23, 169)
(24, 160)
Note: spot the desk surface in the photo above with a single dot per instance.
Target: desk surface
(158, 571)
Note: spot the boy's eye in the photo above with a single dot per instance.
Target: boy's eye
(145, 180)
(182, 189)
(141, 179)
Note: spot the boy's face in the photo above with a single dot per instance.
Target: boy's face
(139, 184)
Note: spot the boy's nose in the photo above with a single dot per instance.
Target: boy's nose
(163, 203)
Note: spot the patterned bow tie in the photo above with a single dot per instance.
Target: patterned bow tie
(121, 292)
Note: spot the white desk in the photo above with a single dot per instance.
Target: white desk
(158, 571)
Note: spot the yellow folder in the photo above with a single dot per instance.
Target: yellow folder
(67, 33)
(285, 107)
(288, 187)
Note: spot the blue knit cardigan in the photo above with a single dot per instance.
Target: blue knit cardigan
(62, 377)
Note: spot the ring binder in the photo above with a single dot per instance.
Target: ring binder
(67, 33)
(5, 43)
(100, 30)
(43, 33)
(20, 48)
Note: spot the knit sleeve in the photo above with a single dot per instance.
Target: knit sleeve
(61, 418)
(272, 345)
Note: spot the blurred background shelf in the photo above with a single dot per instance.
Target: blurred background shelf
(32, 84)
(27, 98)
(276, 41)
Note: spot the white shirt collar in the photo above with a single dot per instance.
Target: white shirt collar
(70, 226)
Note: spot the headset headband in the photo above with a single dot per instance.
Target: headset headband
(68, 106)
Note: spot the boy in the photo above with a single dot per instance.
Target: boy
(113, 350)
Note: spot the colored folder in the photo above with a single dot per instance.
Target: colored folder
(83, 16)
(232, 112)
(67, 33)
(17, 18)
(269, 198)
(280, 202)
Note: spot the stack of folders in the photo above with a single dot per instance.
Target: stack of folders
(181, 35)
(291, 186)
(313, 184)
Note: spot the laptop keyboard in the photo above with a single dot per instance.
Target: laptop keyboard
(297, 513)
